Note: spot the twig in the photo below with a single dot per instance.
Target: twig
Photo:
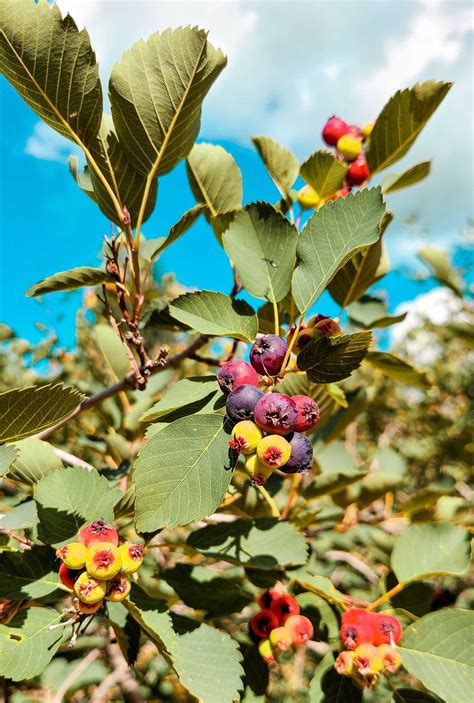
(72, 460)
(292, 496)
(356, 563)
(386, 596)
(120, 674)
(74, 675)
(27, 543)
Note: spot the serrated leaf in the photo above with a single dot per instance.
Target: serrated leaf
(158, 246)
(26, 644)
(330, 359)
(67, 499)
(264, 543)
(35, 460)
(280, 163)
(327, 686)
(70, 280)
(27, 411)
(370, 312)
(126, 629)
(395, 181)
(216, 314)
(20, 517)
(397, 368)
(413, 695)
(153, 616)
(156, 91)
(330, 238)
(8, 455)
(112, 350)
(437, 260)
(324, 173)
(425, 550)
(215, 179)
(28, 574)
(182, 473)
(356, 401)
(261, 243)
(401, 121)
(184, 392)
(437, 649)
(53, 67)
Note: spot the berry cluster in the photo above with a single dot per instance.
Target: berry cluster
(96, 568)
(279, 626)
(269, 426)
(317, 326)
(370, 639)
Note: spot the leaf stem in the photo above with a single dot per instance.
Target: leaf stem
(269, 500)
(291, 345)
(292, 496)
(277, 318)
(386, 596)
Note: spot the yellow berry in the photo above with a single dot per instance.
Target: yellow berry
(132, 557)
(267, 652)
(349, 146)
(89, 589)
(367, 129)
(368, 660)
(281, 638)
(103, 560)
(257, 471)
(390, 657)
(118, 589)
(308, 198)
(245, 437)
(274, 451)
(87, 608)
(73, 555)
(344, 664)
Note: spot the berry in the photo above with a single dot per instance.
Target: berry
(390, 656)
(268, 597)
(264, 622)
(386, 629)
(305, 335)
(88, 589)
(132, 557)
(349, 146)
(103, 561)
(367, 129)
(267, 354)
(344, 664)
(273, 451)
(308, 198)
(257, 471)
(334, 129)
(356, 628)
(98, 531)
(355, 130)
(241, 402)
(300, 628)
(276, 413)
(236, 373)
(281, 638)
(68, 576)
(87, 608)
(73, 555)
(267, 652)
(308, 413)
(118, 588)
(245, 437)
(325, 326)
(358, 172)
(368, 660)
(301, 458)
(339, 194)
(283, 607)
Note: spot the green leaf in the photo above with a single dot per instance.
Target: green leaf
(324, 173)
(401, 121)
(397, 368)
(216, 314)
(437, 260)
(328, 687)
(413, 695)
(126, 629)
(438, 650)
(182, 473)
(28, 574)
(280, 163)
(395, 181)
(184, 392)
(67, 499)
(215, 179)
(425, 550)
(112, 350)
(356, 401)
(69, 280)
(8, 455)
(370, 312)
(26, 644)
(331, 237)
(330, 359)
(27, 411)
(20, 517)
(262, 245)
(156, 91)
(153, 616)
(36, 459)
(264, 543)
(178, 229)
(337, 470)
(52, 66)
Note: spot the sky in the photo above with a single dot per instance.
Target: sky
(291, 64)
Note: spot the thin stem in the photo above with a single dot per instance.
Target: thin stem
(291, 345)
(386, 596)
(292, 496)
(24, 541)
(269, 500)
(276, 318)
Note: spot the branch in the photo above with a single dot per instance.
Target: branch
(74, 675)
(24, 541)
(121, 675)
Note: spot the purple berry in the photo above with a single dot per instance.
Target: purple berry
(308, 412)
(276, 413)
(301, 457)
(267, 354)
(236, 373)
(241, 402)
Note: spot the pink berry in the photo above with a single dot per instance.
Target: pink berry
(358, 172)
(308, 413)
(267, 354)
(334, 129)
(236, 373)
(276, 413)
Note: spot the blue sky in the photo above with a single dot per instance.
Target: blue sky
(291, 65)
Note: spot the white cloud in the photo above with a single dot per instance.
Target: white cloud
(47, 144)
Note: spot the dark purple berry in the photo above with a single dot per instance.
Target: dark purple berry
(241, 402)
(301, 457)
(308, 412)
(267, 354)
(276, 413)
(236, 373)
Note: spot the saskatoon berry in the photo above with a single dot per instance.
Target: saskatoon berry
(242, 401)
(284, 607)
(268, 597)
(267, 652)
(349, 146)
(276, 413)
(236, 373)
(68, 576)
(300, 628)
(308, 413)
(344, 663)
(281, 638)
(358, 172)
(103, 561)
(386, 629)
(245, 437)
(356, 628)
(264, 622)
(334, 129)
(301, 457)
(273, 451)
(267, 354)
(258, 472)
(368, 660)
(98, 531)
(73, 555)
(325, 325)
(391, 657)
(367, 129)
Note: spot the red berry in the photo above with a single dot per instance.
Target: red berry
(385, 629)
(276, 413)
(267, 354)
(334, 129)
(236, 373)
(98, 531)
(358, 172)
(308, 413)
(283, 607)
(356, 628)
(264, 622)
(69, 576)
(268, 597)
(301, 629)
